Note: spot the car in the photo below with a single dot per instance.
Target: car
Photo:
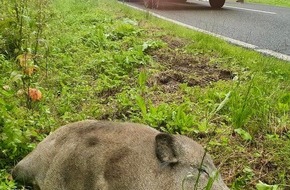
(154, 4)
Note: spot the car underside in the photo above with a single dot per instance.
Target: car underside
(154, 4)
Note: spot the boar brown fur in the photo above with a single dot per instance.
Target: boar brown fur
(103, 155)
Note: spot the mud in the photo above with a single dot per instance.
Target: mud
(181, 67)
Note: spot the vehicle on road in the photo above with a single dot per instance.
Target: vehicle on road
(154, 4)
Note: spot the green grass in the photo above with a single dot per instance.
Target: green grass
(103, 60)
(281, 3)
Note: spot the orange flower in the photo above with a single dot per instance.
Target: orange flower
(34, 94)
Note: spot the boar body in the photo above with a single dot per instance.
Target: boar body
(102, 155)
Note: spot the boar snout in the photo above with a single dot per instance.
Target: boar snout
(20, 174)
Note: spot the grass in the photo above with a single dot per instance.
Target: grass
(103, 60)
(280, 3)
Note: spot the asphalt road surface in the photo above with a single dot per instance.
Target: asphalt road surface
(267, 28)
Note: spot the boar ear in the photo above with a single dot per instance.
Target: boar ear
(165, 148)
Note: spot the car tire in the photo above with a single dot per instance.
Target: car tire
(151, 4)
(179, 1)
(217, 4)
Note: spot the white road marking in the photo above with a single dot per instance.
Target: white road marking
(253, 10)
(230, 40)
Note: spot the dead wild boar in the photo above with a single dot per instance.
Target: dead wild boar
(103, 155)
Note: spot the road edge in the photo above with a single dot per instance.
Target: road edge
(230, 40)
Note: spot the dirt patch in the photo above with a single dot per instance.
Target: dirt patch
(174, 42)
(181, 67)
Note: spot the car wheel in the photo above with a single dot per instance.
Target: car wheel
(179, 1)
(151, 4)
(217, 4)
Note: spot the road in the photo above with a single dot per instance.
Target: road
(260, 27)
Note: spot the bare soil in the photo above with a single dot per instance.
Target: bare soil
(182, 67)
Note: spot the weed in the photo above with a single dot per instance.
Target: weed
(212, 178)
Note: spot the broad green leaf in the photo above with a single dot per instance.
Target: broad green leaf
(244, 134)
(264, 186)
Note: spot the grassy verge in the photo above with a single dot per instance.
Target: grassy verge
(280, 3)
(103, 60)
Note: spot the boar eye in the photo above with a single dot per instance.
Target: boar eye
(203, 170)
